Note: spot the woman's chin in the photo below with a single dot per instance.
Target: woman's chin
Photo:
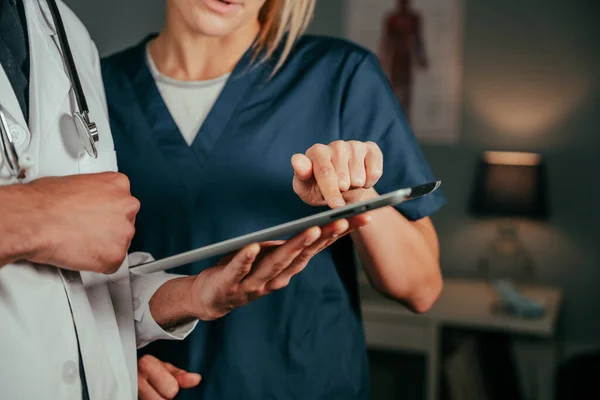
(213, 26)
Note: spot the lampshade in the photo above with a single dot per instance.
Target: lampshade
(510, 184)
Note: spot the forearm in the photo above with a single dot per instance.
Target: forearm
(169, 305)
(19, 223)
(401, 257)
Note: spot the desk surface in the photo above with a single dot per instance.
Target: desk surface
(466, 303)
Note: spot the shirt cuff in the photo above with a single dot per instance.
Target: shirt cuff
(143, 288)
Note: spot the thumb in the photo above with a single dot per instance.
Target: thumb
(302, 167)
(187, 380)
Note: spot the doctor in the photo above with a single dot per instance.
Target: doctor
(71, 314)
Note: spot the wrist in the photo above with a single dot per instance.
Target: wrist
(169, 306)
(199, 299)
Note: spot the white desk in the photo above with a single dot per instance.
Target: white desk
(466, 304)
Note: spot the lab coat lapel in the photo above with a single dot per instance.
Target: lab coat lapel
(10, 104)
(49, 82)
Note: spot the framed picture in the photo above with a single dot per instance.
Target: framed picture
(419, 45)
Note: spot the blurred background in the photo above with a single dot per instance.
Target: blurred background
(529, 84)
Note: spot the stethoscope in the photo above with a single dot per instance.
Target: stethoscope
(86, 129)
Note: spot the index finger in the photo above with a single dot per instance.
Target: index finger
(327, 179)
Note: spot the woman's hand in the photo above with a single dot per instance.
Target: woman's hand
(158, 380)
(260, 269)
(249, 274)
(337, 173)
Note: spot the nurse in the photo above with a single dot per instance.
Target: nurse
(231, 120)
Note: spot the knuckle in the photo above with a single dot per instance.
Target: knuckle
(323, 169)
(231, 291)
(112, 268)
(129, 233)
(121, 180)
(134, 205)
(240, 273)
(278, 266)
(355, 144)
(317, 148)
(254, 293)
(114, 261)
(358, 180)
(344, 183)
(338, 145)
(375, 175)
(145, 362)
(303, 258)
(372, 145)
(279, 284)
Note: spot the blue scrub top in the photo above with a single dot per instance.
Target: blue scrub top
(305, 341)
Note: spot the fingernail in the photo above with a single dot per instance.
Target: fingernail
(339, 202)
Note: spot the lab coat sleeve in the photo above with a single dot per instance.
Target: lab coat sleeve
(143, 288)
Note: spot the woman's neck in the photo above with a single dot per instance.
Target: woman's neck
(183, 54)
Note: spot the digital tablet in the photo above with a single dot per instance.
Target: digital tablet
(288, 228)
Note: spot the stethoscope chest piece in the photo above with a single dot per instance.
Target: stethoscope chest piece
(87, 132)
(20, 137)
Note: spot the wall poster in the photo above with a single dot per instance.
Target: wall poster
(419, 44)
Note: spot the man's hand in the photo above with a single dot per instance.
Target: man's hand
(337, 173)
(159, 380)
(253, 272)
(85, 222)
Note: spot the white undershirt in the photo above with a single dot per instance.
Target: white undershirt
(189, 102)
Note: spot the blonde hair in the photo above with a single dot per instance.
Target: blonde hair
(279, 18)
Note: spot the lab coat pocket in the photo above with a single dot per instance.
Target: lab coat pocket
(106, 161)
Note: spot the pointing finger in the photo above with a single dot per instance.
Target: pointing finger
(340, 159)
(327, 180)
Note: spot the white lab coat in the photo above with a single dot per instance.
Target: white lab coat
(38, 344)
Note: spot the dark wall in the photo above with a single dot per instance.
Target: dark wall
(530, 83)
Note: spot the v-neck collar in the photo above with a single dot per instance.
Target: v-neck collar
(189, 159)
